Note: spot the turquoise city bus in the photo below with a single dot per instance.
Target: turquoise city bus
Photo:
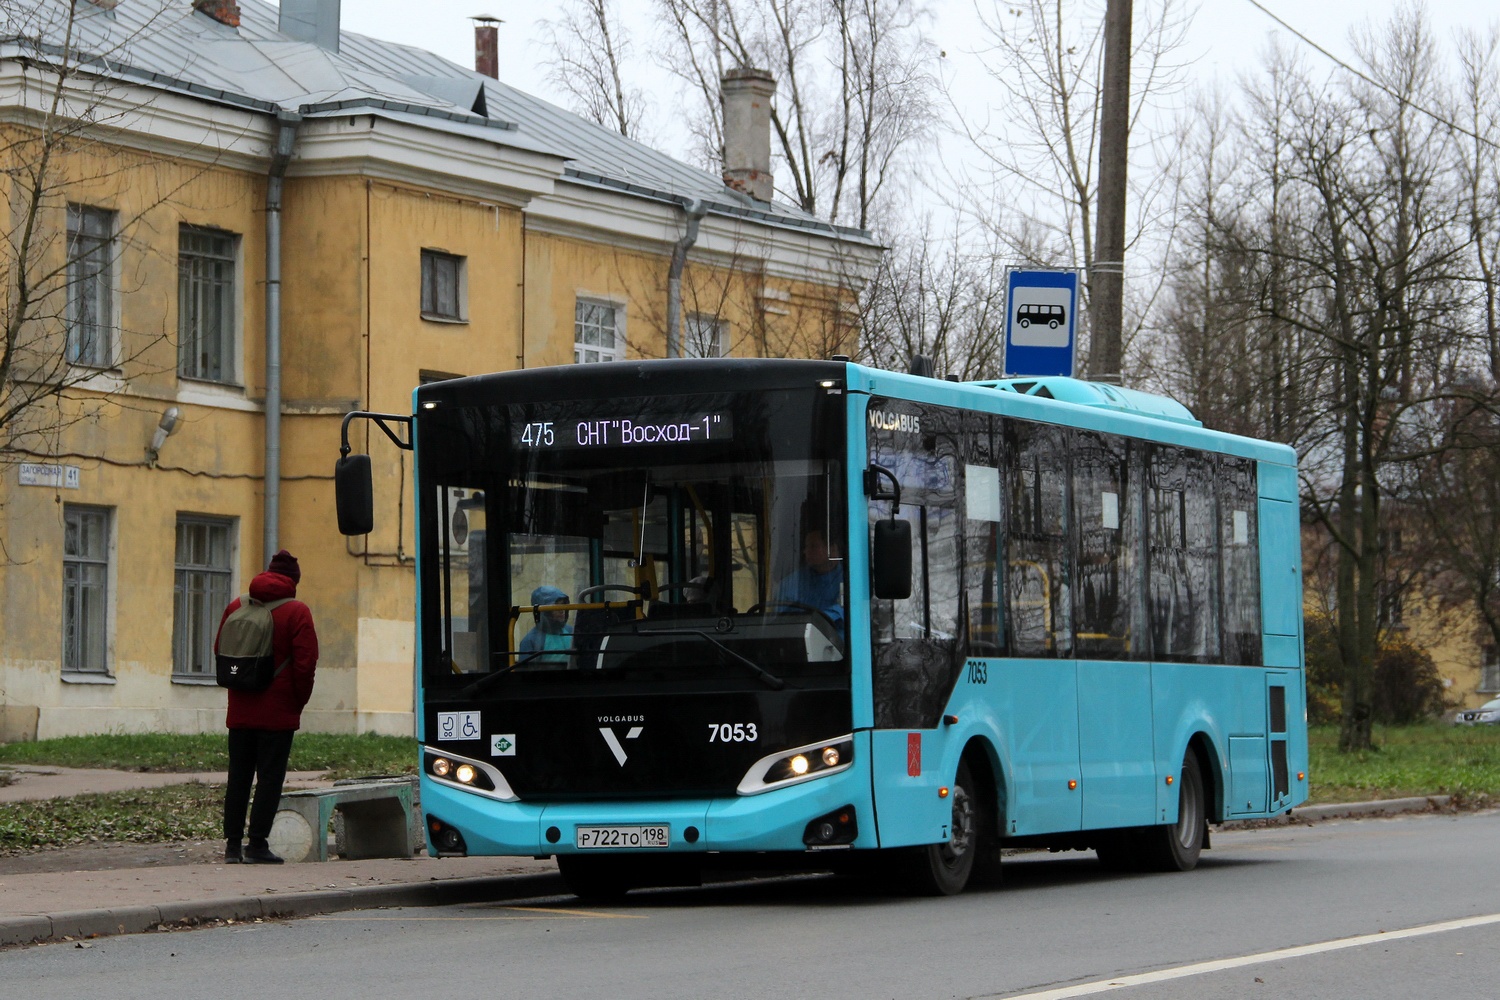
(744, 613)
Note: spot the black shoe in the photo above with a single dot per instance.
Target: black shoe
(232, 853)
(260, 854)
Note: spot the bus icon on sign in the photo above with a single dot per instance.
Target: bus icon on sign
(1051, 317)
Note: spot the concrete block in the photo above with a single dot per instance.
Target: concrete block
(377, 820)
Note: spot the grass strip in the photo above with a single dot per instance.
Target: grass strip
(1428, 759)
(190, 811)
(342, 755)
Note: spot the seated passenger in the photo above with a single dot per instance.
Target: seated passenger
(551, 632)
(820, 582)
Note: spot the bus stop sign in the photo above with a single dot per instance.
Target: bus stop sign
(1040, 318)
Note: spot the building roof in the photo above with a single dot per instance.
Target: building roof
(167, 45)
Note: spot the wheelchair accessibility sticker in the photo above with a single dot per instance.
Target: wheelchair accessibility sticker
(458, 725)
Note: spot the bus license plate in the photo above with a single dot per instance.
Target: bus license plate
(654, 835)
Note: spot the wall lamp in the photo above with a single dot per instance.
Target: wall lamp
(164, 428)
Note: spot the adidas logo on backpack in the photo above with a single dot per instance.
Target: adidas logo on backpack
(244, 661)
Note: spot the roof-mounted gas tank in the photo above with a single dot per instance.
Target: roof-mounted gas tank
(1111, 397)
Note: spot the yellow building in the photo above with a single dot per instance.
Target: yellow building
(246, 227)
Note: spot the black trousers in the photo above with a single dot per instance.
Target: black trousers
(261, 755)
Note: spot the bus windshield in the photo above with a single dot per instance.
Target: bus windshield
(662, 540)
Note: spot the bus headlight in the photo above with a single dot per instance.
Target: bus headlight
(817, 760)
(471, 775)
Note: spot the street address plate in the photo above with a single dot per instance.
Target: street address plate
(626, 837)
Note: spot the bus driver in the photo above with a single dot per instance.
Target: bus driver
(819, 582)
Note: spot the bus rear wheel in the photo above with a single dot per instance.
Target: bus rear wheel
(944, 869)
(1175, 847)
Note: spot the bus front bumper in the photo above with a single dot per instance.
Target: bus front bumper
(775, 820)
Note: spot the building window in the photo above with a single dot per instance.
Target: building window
(205, 303)
(1390, 605)
(596, 332)
(442, 285)
(705, 336)
(204, 568)
(1489, 671)
(91, 287)
(85, 589)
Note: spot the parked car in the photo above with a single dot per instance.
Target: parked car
(1486, 714)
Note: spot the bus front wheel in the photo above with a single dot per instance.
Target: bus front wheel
(944, 869)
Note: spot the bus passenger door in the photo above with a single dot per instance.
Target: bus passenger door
(1277, 705)
(1116, 747)
(1037, 701)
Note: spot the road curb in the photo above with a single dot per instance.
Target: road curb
(81, 924)
(1346, 810)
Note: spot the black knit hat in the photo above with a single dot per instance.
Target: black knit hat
(285, 563)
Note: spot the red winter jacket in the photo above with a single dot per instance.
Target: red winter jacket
(280, 705)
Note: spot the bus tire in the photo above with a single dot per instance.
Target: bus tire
(944, 869)
(1175, 847)
(595, 879)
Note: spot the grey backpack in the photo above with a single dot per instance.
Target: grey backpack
(244, 661)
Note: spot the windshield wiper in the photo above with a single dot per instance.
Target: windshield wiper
(767, 678)
(490, 678)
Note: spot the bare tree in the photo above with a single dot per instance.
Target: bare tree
(853, 94)
(1478, 109)
(1343, 259)
(591, 50)
(1040, 139)
(935, 298)
(63, 354)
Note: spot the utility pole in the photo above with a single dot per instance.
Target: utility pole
(1107, 273)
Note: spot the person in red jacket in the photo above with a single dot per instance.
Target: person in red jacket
(261, 723)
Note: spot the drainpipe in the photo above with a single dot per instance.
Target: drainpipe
(694, 210)
(281, 156)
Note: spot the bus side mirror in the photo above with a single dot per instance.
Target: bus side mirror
(891, 572)
(354, 494)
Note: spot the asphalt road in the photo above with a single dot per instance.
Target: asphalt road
(1402, 907)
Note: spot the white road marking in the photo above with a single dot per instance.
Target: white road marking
(1219, 965)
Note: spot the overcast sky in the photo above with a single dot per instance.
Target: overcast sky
(1226, 37)
(1226, 34)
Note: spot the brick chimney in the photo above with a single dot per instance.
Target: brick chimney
(746, 95)
(223, 11)
(487, 45)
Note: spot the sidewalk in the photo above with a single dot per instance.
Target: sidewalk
(126, 889)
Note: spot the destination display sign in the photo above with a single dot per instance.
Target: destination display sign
(625, 432)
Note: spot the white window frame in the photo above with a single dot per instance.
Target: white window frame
(705, 335)
(194, 282)
(202, 589)
(430, 307)
(588, 329)
(88, 575)
(91, 286)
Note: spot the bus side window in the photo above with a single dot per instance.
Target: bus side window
(1105, 524)
(1038, 605)
(981, 539)
(1183, 572)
